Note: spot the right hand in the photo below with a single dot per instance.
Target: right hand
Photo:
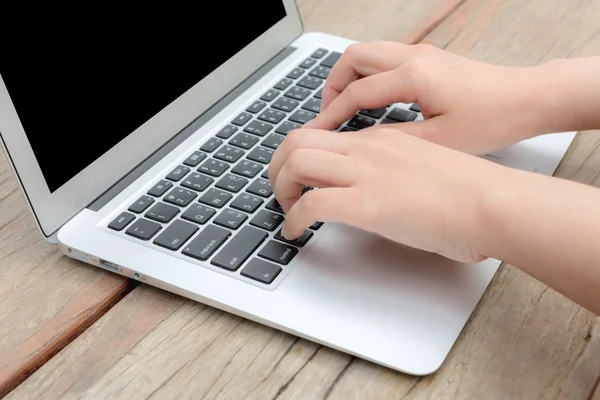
(467, 105)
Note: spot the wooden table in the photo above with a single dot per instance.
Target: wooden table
(69, 330)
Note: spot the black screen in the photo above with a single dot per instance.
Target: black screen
(82, 80)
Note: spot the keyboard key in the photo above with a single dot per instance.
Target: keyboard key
(316, 226)
(232, 183)
(256, 106)
(270, 95)
(141, 204)
(273, 141)
(230, 219)
(241, 119)
(320, 72)
(124, 219)
(400, 115)
(319, 53)
(258, 128)
(247, 203)
(227, 131)
(206, 243)
(348, 129)
(198, 213)
(198, 182)
(261, 271)
(215, 198)
(310, 82)
(388, 121)
(267, 220)
(301, 241)
(302, 116)
(278, 252)
(374, 113)
(331, 59)
(287, 127)
(272, 116)
(180, 197)
(143, 229)
(319, 94)
(313, 105)
(178, 173)
(285, 104)
(295, 73)
(360, 122)
(261, 155)
(244, 140)
(297, 93)
(213, 167)
(194, 159)
(211, 145)
(176, 235)
(415, 107)
(247, 168)
(160, 188)
(162, 212)
(309, 62)
(283, 84)
(260, 187)
(265, 174)
(274, 205)
(240, 248)
(230, 154)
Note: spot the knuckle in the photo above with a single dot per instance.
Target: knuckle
(296, 160)
(353, 50)
(294, 139)
(425, 48)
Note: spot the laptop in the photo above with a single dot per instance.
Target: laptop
(142, 147)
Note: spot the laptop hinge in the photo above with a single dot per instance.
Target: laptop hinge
(155, 157)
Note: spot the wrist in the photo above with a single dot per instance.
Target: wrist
(499, 208)
(565, 95)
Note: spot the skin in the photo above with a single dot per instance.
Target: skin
(419, 184)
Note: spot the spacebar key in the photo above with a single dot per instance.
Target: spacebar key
(233, 255)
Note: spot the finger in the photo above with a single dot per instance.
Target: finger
(434, 130)
(363, 59)
(371, 92)
(325, 205)
(313, 168)
(306, 138)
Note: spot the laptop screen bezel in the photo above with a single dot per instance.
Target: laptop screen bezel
(52, 210)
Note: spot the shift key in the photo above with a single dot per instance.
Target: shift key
(207, 242)
(243, 244)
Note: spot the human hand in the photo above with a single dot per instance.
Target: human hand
(467, 105)
(404, 188)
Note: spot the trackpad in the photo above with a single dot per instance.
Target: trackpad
(372, 278)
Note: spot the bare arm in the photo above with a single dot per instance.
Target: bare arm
(548, 227)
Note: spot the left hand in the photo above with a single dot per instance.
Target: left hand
(407, 189)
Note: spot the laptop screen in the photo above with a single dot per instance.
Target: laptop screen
(82, 84)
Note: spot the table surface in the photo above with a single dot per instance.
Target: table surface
(69, 330)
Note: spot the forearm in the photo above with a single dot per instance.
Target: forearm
(567, 93)
(550, 229)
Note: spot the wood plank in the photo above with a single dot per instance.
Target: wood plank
(400, 20)
(45, 299)
(523, 341)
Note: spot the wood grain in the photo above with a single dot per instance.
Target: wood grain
(400, 20)
(524, 341)
(45, 298)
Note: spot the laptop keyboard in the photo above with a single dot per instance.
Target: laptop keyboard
(218, 205)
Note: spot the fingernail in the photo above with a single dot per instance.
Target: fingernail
(284, 231)
(309, 125)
